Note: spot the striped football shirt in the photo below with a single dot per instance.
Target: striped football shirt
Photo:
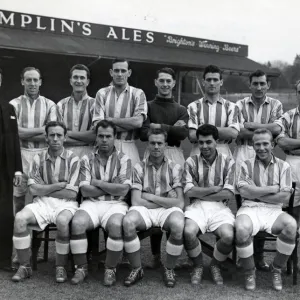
(159, 182)
(77, 116)
(199, 173)
(253, 172)
(36, 115)
(221, 113)
(290, 125)
(269, 111)
(48, 170)
(130, 103)
(117, 170)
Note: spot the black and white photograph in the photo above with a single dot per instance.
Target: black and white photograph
(149, 150)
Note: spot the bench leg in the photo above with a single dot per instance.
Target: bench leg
(46, 244)
(295, 263)
(34, 250)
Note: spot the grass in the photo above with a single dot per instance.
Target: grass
(42, 285)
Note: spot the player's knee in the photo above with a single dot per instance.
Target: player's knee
(190, 232)
(243, 232)
(20, 221)
(290, 228)
(177, 226)
(114, 227)
(129, 225)
(79, 224)
(63, 220)
(228, 237)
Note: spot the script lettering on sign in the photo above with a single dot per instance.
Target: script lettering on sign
(65, 27)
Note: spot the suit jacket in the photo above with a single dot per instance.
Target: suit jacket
(10, 153)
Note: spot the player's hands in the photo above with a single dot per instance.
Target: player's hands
(180, 123)
(61, 185)
(155, 126)
(17, 180)
(295, 152)
(172, 194)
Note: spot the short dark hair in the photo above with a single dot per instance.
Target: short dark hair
(212, 69)
(258, 73)
(117, 60)
(206, 130)
(54, 124)
(30, 69)
(82, 68)
(263, 131)
(166, 70)
(106, 124)
(157, 131)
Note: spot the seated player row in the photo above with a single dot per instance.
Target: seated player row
(157, 195)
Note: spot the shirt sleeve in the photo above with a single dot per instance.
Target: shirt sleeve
(286, 178)
(73, 179)
(284, 122)
(34, 176)
(244, 177)
(177, 176)
(60, 116)
(16, 105)
(233, 116)
(189, 179)
(229, 178)
(193, 117)
(99, 107)
(53, 114)
(242, 120)
(85, 176)
(140, 101)
(276, 112)
(138, 177)
(125, 172)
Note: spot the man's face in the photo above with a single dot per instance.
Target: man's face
(298, 94)
(120, 73)
(157, 145)
(207, 145)
(259, 87)
(55, 138)
(105, 139)
(79, 81)
(31, 82)
(263, 145)
(212, 83)
(165, 83)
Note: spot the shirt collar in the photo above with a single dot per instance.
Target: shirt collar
(27, 97)
(220, 100)
(207, 162)
(126, 88)
(84, 97)
(150, 163)
(272, 161)
(62, 155)
(98, 155)
(249, 99)
(297, 110)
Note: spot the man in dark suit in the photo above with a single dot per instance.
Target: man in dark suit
(11, 173)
